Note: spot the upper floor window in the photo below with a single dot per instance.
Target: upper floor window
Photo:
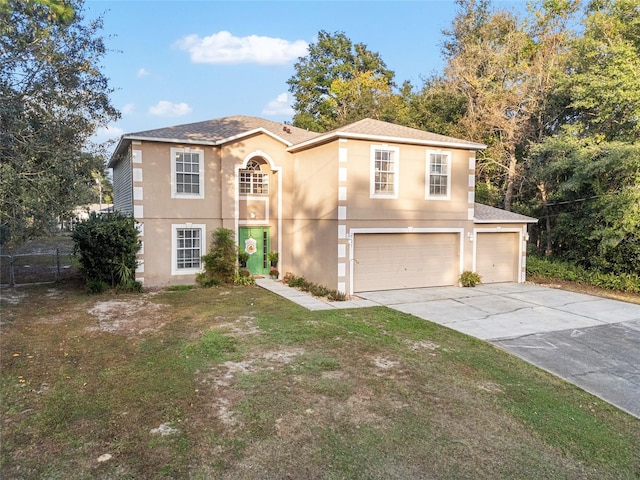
(187, 173)
(384, 171)
(438, 181)
(253, 181)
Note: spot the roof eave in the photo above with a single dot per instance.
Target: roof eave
(253, 132)
(384, 138)
(527, 220)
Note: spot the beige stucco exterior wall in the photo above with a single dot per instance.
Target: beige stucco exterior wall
(317, 198)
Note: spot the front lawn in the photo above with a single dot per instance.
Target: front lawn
(239, 383)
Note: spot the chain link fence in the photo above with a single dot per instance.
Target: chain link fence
(40, 267)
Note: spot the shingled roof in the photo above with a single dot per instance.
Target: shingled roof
(369, 128)
(222, 130)
(487, 214)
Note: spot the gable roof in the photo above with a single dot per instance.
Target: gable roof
(217, 132)
(370, 129)
(223, 130)
(486, 214)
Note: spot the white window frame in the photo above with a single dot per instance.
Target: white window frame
(255, 179)
(396, 172)
(174, 182)
(174, 247)
(427, 191)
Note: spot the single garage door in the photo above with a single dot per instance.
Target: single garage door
(497, 257)
(386, 261)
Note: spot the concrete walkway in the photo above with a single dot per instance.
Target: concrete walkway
(589, 341)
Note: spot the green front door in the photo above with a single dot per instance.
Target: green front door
(256, 242)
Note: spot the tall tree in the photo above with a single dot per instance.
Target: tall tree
(338, 76)
(603, 79)
(52, 98)
(503, 67)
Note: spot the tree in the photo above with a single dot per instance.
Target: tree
(336, 77)
(52, 98)
(602, 81)
(592, 203)
(503, 66)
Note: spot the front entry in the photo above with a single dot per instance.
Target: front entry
(256, 242)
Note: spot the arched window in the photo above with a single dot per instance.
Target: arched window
(253, 181)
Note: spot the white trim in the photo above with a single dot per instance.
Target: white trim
(342, 250)
(138, 212)
(342, 269)
(174, 247)
(342, 174)
(256, 198)
(342, 194)
(472, 163)
(372, 171)
(355, 231)
(138, 193)
(136, 156)
(521, 251)
(136, 174)
(427, 186)
(174, 187)
(343, 154)
(472, 181)
(342, 212)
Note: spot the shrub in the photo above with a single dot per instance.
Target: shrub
(313, 288)
(220, 262)
(106, 246)
(561, 270)
(470, 279)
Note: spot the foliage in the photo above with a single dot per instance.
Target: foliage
(562, 270)
(243, 257)
(244, 277)
(53, 97)
(107, 246)
(273, 257)
(602, 86)
(338, 82)
(470, 279)
(220, 262)
(591, 206)
(313, 288)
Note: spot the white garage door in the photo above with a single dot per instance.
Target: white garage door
(386, 261)
(497, 257)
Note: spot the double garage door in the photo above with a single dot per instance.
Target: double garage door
(386, 261)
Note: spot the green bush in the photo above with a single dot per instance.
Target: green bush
(557, 269)
(106, 246)
(470, 279)
(220, 262)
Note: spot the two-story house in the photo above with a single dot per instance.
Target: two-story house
(367, 206)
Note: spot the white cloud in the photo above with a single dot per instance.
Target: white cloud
(142, 72)
(165, 108)
(127, 109)
(106, 134)
(280, 106)
(224, 48)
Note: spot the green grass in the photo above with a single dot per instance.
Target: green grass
(257, 387)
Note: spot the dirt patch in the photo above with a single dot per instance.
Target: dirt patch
(128, 317)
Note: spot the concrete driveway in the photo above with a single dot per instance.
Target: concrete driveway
(589, 341)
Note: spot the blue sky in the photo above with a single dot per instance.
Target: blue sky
(173, 62)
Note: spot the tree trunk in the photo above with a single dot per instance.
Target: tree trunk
(511, 178)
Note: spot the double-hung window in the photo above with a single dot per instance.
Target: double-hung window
(187, 173)
(253, 181)
(187, 248)
(384, 172)
(438, 181)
